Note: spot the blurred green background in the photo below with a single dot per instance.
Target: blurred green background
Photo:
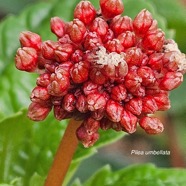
(174, 137)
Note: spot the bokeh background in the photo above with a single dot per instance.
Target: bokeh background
(173, 139)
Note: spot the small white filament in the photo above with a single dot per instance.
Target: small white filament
(112, 58)
(177, 56)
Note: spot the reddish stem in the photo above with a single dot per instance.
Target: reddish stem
(63, 155)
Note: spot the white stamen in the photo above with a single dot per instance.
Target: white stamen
(113, 58)
(177, 56)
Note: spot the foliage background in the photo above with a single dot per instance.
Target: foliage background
(27, 148)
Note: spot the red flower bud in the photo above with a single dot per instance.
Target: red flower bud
(91, 125)
(79, 72)
(69, 102)
(142, 22)
(37, 112)
(99, 26)
(162, 101)
(63, 52)
(171, 80)
(98, 114)
(59, 84)
(155, 61)
(90, 88)
(57, 26)
(30, 39)
(109, 36)
(121, 24)
(26, 59)
(92, 41)
(149, 105)
(147, 75)
(119, 92)
(96, 101)
(76, 30)
(134, 106)
(153, 40)
(85, 12)
(60, 113)
(134, 56)
(81, 104)
(111, 8)
(97, 76)
(77, 56)
(127, 39)
(40, 95)
(151, 125)
(114, 46)
(114, 111)
(43, 80)
(128, 122)
(132, 81)
(48, 49)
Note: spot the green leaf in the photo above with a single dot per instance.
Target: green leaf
(27, 147)
(36, 180)
(137, 175)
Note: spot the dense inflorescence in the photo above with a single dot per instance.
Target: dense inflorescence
(105, 69)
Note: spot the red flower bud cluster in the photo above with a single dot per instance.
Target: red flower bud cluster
(105, 69)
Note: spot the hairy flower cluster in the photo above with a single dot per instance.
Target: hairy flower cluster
(105, 69)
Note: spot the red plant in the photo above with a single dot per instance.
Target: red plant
(105, 69)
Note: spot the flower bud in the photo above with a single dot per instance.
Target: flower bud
(99, 26)
(30, 39)
(63, 52)
(69, 102)
(134, 56)
(76, 30)
(128, 122)
(151, 125)
(119, 92)
(134, 106)
(59, 84)
(96, 101)
(81, 104)
(111, 8)
(149, 105)
(92, 41)
(40, 95)
(121, 24)
(97, 76)
(86, 139)
(48, 49)
(154, 40)
(26, 59)
(43, 80)
(114, 46)
(114, 111)
(162, 101)
(142, 22)
(85, 12)
(147, 75)
(171, 80)
(90, 88)
(127, 39)
(57, 26)
(37, 112)
(60, 113)
(79, 72)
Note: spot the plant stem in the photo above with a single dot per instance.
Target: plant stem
(63, 155)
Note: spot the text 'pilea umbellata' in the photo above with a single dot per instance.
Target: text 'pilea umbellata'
(105, 69)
